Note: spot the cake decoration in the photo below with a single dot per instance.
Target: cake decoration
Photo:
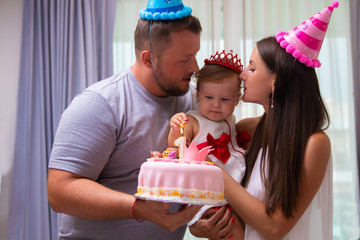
(181, 141)
(193, 154)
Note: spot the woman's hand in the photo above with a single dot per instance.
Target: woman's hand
(215, 224)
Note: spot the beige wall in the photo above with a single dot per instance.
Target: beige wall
(10, 45)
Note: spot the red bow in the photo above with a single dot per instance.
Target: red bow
(219, 146)
(242, 138)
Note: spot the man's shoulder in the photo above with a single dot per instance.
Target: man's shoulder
(111, 82)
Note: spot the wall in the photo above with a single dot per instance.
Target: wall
(10, 45)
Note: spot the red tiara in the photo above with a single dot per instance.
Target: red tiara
(226, 60)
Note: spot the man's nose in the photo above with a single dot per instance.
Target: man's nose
(194, 66)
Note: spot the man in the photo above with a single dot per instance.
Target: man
(108, 131)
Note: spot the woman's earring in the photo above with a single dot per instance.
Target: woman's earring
(272, 98)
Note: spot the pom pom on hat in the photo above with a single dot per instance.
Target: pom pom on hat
(165, 10)
(303, 59)
(296, 54)
(335, 4)
(284, 44)
(304, 41)
(290, 49)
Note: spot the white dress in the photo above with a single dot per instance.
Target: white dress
(317, 220)
(235, 165)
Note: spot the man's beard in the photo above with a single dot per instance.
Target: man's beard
(165, 85)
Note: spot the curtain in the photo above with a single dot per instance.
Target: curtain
(237, 25)
(66, 46)
(355, 43)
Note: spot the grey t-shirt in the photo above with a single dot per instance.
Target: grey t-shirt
(105, 134)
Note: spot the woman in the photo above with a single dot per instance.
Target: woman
(289, 156)
(287, 191)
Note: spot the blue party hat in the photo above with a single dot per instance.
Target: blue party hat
(165, 10)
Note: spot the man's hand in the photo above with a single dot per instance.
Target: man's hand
(158, 213)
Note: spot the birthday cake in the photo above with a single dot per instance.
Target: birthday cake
(189, 180)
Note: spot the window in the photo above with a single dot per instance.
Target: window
(237, 25)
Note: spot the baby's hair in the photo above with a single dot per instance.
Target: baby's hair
(214, 73)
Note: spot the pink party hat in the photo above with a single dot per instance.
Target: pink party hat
(304, 41)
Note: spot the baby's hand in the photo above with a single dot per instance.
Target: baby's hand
(178, 120)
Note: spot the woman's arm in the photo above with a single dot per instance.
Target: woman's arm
(218, 223)
(249, 125)
(252, 211)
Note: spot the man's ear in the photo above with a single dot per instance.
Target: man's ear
(146, 58)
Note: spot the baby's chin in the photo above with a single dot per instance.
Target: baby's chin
(215, 119)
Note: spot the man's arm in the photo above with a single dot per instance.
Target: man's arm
(81, 197)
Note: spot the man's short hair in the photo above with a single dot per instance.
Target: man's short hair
(161, 31)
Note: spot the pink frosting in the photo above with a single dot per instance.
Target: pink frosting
(178, 175)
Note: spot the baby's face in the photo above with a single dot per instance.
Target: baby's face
(217, 100)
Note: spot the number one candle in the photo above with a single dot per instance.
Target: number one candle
(181, 142)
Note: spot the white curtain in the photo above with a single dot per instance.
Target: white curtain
(354, 6)
(237, 25)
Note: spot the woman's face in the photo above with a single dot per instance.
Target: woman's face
(258, 81)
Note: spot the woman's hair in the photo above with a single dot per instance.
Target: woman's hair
(282, 133)
(161, 32)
